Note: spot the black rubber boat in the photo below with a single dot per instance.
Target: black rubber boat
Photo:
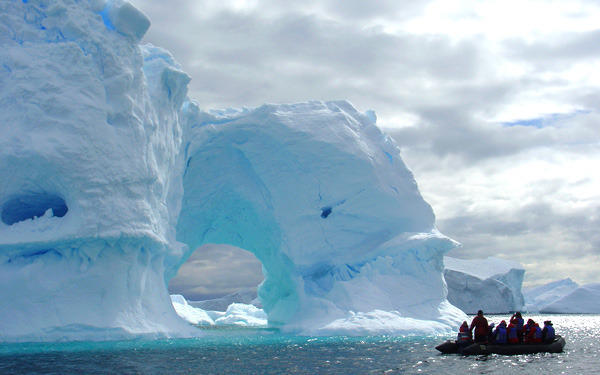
(451, 347)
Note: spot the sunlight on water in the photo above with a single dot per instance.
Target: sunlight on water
(251, 351)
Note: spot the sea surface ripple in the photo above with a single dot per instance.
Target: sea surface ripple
(264, 351)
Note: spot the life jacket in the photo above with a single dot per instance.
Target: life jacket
(513, 337)
(527, 333)
(464, 334)
(537, 334)
(518, 322)
(550, 334)
(501, 334)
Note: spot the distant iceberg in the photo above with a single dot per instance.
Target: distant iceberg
(583, 300)
(236, 314)
(492, 285)
(564, 297)
(247, 296)
(536, 299)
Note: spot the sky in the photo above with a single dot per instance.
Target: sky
(494, 104)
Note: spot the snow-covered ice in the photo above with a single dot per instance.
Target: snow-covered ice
(111, 177)
(583, 300)
(192, 314)
(538, 298)
(236, 314)
(491, 284)
(246, 296)
(565, 297)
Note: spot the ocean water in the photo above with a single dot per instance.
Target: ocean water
(264, 351)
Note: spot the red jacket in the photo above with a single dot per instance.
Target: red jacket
(512, 333)
(481, 326)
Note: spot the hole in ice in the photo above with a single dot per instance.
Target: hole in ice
(218, 275)
(32, 205)
(325, 211)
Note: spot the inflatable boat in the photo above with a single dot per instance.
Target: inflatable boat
(451, 347)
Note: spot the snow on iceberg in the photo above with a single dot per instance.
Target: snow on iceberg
(191, 314)
(236, 314)
(246, 296)
(538, 298)
(240, 314)
(111, 177)
(583, 300)
(492, 284)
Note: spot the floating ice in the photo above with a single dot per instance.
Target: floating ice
(246, 296)
(237, 314)
(492, 284)
(538, 298)
(564, 297)
(583, 300)
(111, 177)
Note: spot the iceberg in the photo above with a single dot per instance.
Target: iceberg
(112, 176)
(585, 299)
(247, 296)
(190, 313)
(492, 285)
(236, 314)
(538, 298)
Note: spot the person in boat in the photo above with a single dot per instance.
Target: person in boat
(490, 335)
(464, 335)
(548, 333)
(518, 321)
(527, 331)
(500, 334)
(533, 333)
(512, 334)
(537, 334)
(481, 327)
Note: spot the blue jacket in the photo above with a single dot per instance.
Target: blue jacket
(548, 333)
(501, 336)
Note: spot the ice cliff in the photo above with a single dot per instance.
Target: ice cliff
(492, 284)
(111, 177)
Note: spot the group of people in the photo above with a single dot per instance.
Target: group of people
(516, 332)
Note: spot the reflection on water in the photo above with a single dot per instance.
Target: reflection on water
(251, 351)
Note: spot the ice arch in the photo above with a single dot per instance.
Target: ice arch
(324, 201)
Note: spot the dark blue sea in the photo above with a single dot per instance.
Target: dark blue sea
(264, 351)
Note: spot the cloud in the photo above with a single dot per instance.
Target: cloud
(216, 270)
(520, 192)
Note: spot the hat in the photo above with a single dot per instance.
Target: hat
(547, 322)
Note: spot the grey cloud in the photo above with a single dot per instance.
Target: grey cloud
(247, 58)
(452, 134)
(561, 50)
(215, 270)
(388, 9)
